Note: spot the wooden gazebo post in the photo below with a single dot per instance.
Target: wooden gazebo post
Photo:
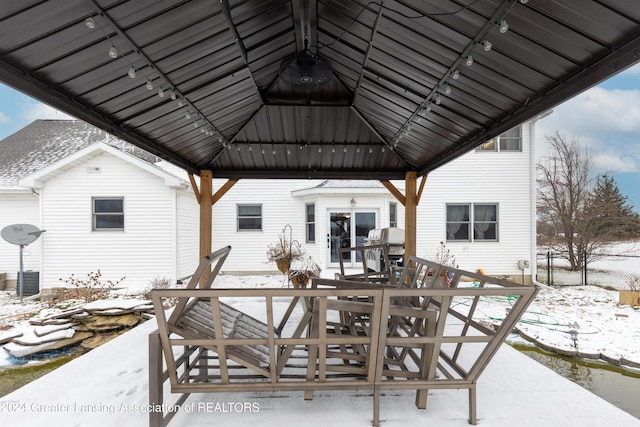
(206, 199)
(410, 215)
(410, 201)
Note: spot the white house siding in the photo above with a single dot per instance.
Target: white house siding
(143, 251)
(19, 208)
(188, 233)
(482, 177)
(280, 209)
(249, 247)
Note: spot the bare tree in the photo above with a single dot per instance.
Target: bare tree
(578, 212)
(565, 178)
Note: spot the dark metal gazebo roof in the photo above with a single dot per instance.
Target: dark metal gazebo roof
(254, 96)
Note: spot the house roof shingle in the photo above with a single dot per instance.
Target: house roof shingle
(44, 142)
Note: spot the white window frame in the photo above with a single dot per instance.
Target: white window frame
(393, 214)
(95, 214)
(241, 217)
(471, 223)
(310, 224)
(499, 143)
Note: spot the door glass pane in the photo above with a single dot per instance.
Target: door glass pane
(340, 234)
(365, 221)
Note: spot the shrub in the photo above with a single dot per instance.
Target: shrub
(90, 288)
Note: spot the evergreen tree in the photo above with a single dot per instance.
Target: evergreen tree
(612, 217)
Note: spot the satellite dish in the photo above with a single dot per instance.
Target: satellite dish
(21, 234)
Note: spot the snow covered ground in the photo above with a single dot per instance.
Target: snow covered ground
(108, 386)
(603, 328)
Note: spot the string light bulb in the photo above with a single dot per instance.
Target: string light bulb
(456, 74)
(504, 27)
(113, 52)
(90, 23)
(447, 89)
(161, 92)
(173, 95)
(487, 45)
(438, 100)
(149, 85)
(469, 61)
(180, 102)
(132, 72)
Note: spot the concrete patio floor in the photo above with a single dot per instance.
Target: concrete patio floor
(108, 387)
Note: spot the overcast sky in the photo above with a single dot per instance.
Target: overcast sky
(606, 119)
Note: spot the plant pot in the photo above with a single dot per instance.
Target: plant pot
(629, 297)
(283, 264)
(299, 280)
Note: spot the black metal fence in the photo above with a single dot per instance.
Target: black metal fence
(607, 270)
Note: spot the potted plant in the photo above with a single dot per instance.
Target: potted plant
(631, 295)
(304, 269)
(283, 252)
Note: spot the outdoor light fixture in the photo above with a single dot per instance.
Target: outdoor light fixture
(113, 52)
(132, 72)
(90, 23)
(487, 45)
(173, 95)
(469, 60)
(447, 89)
(504, 27)
(149, 85)
(438, 100)
(456, 74)
(161, 92)
(574, 337)
(180, 102)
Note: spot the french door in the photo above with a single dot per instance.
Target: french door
(347, 228)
